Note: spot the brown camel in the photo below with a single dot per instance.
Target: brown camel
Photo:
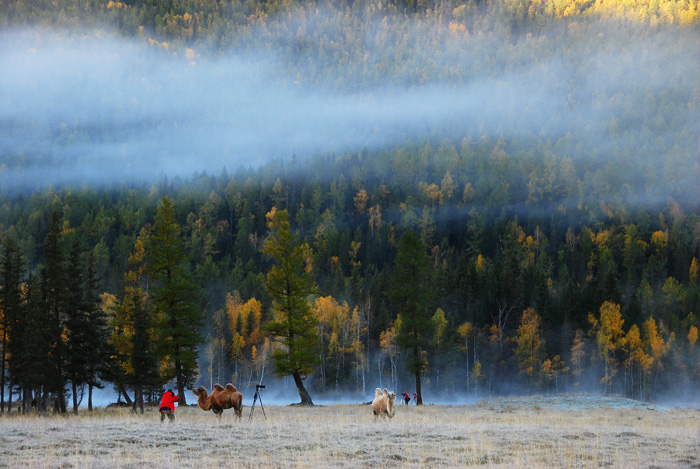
(220, 399)
(383, 403)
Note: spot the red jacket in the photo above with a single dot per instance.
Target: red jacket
(169, 400)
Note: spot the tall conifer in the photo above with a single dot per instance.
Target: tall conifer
(412, 292)
(12, 271)
(175, 301)
(77, 326)
(97, 332)
(289, 283)
(54, 295)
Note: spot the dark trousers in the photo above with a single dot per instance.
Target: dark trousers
(167, 411)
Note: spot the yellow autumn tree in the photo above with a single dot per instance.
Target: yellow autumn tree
(387, 341)
(244, 321)
(656, 347)
(433, 194)
(529, 346)
(637, 362)
(467, 331)
(692, 336)
(477, 378)
(334, 330)
(439, 324)
(552, 368)
(357, 347)
(233, 307)
(252, 312)
(692, 354)
(480, 264)
(694, 270)
(578, 352)
(609, 338)
(361, 200)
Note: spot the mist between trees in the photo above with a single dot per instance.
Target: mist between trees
(591, 296)
(547, 167)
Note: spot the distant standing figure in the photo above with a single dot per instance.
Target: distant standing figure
(406, 398)
(415, 398)
(167, 405)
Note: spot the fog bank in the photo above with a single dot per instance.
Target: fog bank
(95, 109)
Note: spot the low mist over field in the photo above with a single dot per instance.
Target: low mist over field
(544, 432)
(100, 109)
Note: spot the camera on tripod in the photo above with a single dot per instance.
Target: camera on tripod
(257, 397)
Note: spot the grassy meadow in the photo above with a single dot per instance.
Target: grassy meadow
(524, 432)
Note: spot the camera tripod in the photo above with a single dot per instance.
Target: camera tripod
(257, 397)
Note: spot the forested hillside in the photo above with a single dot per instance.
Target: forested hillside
(543, 156)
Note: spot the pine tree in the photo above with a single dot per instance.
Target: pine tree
(97, 332)
(54, 295)
(175, 301)
(37, 339)
(289, 282)
(13, 315)
(412, 294)
(133, 332)
(77, 326)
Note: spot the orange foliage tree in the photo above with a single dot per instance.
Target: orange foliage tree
(609, 338)
(657, 348)
(244, 321)
(529, 346)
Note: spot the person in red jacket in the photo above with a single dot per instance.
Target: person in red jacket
(167, 405)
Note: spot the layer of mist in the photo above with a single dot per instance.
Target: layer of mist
(283, 392)
(94, 109)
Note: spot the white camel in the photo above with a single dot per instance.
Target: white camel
(383, 403)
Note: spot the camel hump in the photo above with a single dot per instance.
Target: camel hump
(218, 387)
(231, 388)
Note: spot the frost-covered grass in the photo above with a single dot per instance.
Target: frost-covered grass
(525, 432)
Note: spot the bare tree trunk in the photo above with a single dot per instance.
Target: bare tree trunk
(419, 399)
(89, 397)
(368, 324)
(180, 381)
(467, 350)
(303, 393)
(437, 367)
(44, 400)
(2, 368)
(138, 399)
(75, 396)
(122, 392)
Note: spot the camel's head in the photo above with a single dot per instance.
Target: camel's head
(391, 397)
(200, 392)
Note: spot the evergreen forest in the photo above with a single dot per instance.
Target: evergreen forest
(513, 207)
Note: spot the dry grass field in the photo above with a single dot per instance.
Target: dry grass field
(524, 432)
